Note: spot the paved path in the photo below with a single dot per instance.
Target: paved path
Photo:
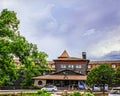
(55, 94)
(30, 91)
(17, 91)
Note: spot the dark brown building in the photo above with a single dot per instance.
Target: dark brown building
(65, 62)
(67, 71)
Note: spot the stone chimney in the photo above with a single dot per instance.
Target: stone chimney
(83, 55)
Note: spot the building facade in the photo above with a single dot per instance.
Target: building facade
(66, 72)
(70, 72)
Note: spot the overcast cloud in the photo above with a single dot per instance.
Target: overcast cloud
(75, 25)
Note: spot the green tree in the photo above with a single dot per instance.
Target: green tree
(35, 69)
(12, 44)
(101, 75)
(8, 27)
(117, 76)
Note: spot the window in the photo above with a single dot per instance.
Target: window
(39, 82)
(63, 66)
(113, 66)
(78, 66)
(89, 66)
(53, 66)
(70, 66)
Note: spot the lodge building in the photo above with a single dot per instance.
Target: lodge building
(70, 72)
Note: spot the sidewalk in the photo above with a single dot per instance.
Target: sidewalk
(17, 91)
(32, 91)
(55, 94)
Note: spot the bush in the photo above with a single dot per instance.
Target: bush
(43, 93)
(88, 94)
(75, 93)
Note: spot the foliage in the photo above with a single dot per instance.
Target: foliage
(103, 74)
(117, 76)
(31, 69)
(76, 93)
(8, 28)
(43, 93)
(88, 94)
(12, 44)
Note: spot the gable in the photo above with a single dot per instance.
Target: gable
(64, 54)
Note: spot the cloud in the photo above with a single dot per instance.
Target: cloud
(77, 25)
(51, 45)
(113, 55)
(107, 44)
(89, 32)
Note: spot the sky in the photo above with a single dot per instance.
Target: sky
(92, 26)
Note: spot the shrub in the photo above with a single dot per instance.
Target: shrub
(44, 93)
(75, 93)
(88, 94)
(41, 92)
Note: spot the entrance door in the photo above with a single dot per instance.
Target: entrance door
(66, 82)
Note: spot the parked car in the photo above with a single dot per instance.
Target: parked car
(114, 92)
(98, 87)
(50, 88)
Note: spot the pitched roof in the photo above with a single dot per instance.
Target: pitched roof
(61, 77)
(105, 62)
(64, 54)
(50, 62)
(70, 58)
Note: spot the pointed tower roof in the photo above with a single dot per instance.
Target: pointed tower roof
(64, 54)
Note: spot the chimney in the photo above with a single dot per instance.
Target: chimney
(83, 55)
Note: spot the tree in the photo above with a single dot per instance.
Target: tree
(34, 70)
(12, 44)
(101, 75)
(8, 28)
(117, 76)
(33, 62)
